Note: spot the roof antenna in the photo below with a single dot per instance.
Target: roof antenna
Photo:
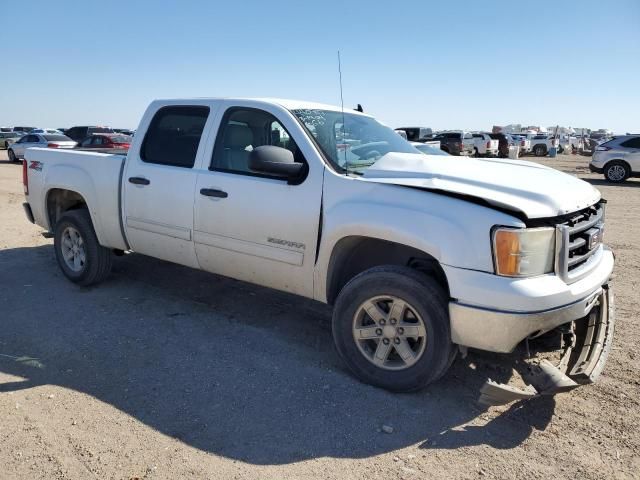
(346, 165)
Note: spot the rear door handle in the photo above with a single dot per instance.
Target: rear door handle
(211, 192)
(139, 181)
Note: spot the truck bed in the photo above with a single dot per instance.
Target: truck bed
(94, 176)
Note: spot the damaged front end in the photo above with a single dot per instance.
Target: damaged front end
(562, 359)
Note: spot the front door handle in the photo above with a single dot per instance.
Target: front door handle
(211, 192)
(139, 181)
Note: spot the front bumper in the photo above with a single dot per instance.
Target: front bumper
(499, 331)
(584, 356)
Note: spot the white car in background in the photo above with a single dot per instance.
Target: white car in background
(617, 159)
(484, 145)
(16, 150)
(47, 131)
(523, 142)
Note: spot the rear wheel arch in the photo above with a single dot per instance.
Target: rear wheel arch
(353, 255)
(618, 161)
(59, 201)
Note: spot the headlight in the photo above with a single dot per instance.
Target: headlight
(524, 252)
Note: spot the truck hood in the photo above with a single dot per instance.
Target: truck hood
(531, 189)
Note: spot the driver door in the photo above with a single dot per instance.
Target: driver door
(251, 226)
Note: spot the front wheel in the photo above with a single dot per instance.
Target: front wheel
(391, 328)
(12, 156)
(80, 257)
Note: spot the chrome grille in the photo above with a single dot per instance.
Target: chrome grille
(579, 243)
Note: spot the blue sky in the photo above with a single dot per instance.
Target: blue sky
(438, 64)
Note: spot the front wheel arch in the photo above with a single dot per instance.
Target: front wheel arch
(353, 255)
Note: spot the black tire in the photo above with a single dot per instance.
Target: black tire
(12, 156)
(612, 171)
(6, 145)
(430, 302)
(98, 259)
(540, 150)
(476, 153)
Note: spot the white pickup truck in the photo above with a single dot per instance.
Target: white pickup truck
(421, 258)
(484, 145)
(541, 143)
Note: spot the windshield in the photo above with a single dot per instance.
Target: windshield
(354, 145)
(430, 150)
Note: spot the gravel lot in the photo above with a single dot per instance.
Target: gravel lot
(166, 372)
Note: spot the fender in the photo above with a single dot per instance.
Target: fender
(453, 231)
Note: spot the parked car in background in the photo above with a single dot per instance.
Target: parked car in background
(16, 150)
(429, 148)
(484, 145)
(455, 142)
(23, 129)
(417, 134)
(7, 138)
(106, 142)
(542, 143)
(523, 141)
(6, 129)
(124, 131)
(504, 142)
(617, 159)
(49, 131)
(80, 133)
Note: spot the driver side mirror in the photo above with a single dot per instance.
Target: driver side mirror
(274, 160)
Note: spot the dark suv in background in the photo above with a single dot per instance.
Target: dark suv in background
(455, 142)
(80, 133)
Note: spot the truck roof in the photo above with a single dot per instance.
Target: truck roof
(286, 103)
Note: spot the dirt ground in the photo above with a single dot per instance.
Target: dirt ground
(167, 372)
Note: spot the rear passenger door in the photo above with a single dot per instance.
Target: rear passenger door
(159, 183)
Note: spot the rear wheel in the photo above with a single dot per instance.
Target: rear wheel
(391, 327)
(12, 156)
(80, 257)
(540, 150)
(617, 171)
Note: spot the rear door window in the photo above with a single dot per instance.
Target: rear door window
(173, 136)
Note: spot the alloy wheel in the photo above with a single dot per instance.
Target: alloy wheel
(389, 332)
(73, 249)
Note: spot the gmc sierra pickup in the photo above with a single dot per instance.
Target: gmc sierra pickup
(421, 258)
